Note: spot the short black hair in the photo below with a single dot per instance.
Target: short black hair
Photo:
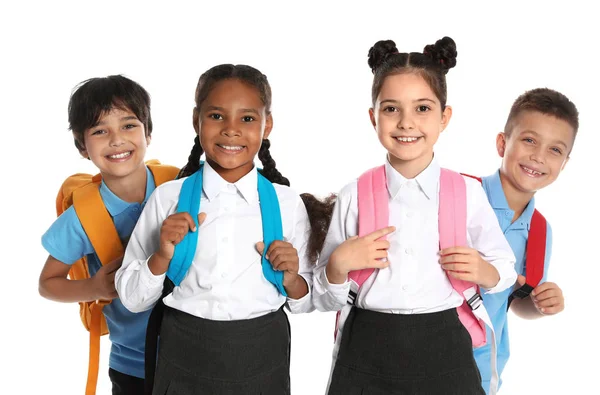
(96, 96)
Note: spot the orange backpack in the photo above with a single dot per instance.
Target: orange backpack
(82, 191)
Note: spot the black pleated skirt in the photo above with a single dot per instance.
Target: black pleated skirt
(396, 354)
(198, 356)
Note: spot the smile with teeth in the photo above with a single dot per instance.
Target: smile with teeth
(120, 155)
(407, 139)
(234, 148)
(531, 172)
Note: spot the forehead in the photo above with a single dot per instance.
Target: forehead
(115, 113)
(546, 126)
(406, 86)
(234, 93)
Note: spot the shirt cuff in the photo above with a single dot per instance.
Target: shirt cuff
(302, 305)
(149, 280)
(340, 291)
(507, 279)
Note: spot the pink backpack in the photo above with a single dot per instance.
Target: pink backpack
(373, 214)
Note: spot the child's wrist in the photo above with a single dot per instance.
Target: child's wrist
(492, 276)
(158, 264)
(334, 274)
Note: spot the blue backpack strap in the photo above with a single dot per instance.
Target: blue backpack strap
(272, 228)
(189, 201)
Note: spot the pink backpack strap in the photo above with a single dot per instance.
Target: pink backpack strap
(373, 214)
(453, 233)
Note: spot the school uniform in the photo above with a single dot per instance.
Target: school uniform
(496, 304)
(66, 241)
(224, 330)
(403, 335)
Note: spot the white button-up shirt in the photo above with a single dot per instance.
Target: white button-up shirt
(414, 282)
(225, 280)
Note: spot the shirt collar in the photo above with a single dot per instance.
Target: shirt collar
(427, 180)
(213, 184)
(115, 205)
(495, 193)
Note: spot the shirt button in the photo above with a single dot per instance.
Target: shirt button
(409, 214)
(224, 240)
(408, 251)
(224, 275)
(135, 209)
(508, 214)
(404, 287)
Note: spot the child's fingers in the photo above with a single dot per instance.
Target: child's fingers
(287, 266)
(278, 260)
(380, 233)
(458, 258)
(544, 287)
(279, 249)
(114, 265)
(553, 301)
(461, 276)
(521, 280)
(382, 245)
(380, 263)
(201, 218)
(379, 254)
(456, 250)
(546, 294)
(552, 309)
(260, 247)
(457, 267)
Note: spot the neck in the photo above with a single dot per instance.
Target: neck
(231, 175)
(410, 168)
(131, 188)
(517, 200)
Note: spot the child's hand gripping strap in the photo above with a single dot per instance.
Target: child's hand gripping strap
(534, 258)
(189, 201)
(453, 233)
(373, 214)
(272, 229)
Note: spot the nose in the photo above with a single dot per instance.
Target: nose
(231, 128)
(539, 154)
(116, 138)
(406, 121)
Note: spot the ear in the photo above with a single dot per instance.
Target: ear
(196, 119)
(501, 144)
(268, 126)
(446, 115)
(148, 140)
(372, 116)
(80, 144)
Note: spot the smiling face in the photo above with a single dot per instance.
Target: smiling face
(408, 118)
(116, 144)
(232, 122)
(536, 150)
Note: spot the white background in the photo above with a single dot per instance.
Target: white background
(315, 55)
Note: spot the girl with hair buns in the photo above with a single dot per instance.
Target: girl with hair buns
(399, 332)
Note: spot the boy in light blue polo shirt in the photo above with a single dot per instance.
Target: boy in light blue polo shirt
(111, 125)
(535, 146)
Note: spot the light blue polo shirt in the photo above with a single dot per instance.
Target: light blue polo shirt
(67, 242)
(516, 234)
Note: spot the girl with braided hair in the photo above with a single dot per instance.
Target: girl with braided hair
(398, 330)
(224, 330)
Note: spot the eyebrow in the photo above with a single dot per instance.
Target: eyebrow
(414, 101)
(216, 108)
(559, 142)
(127, 118)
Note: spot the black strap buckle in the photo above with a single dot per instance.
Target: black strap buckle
(352, 297)
(522, 292)
(475, 301)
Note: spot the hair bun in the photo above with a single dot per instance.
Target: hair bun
(443, 53)
(380, 52)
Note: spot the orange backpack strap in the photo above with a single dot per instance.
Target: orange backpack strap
(162, 173)
(100, 229)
